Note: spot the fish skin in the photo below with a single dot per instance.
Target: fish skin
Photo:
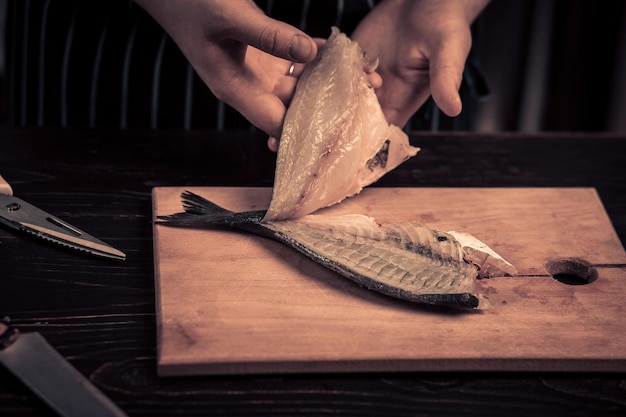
(335, 138)
(403, 260)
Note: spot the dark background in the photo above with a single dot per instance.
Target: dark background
(536, 65)
(549, 65)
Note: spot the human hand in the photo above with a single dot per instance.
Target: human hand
(422, 46)
(242, 55)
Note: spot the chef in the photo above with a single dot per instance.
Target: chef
(251, 61)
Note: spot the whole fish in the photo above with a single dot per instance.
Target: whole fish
(404, 260)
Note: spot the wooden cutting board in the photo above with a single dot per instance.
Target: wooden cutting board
(229, 302)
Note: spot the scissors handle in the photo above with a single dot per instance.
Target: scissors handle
(5, 188)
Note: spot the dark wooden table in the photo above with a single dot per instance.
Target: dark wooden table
(100, 314)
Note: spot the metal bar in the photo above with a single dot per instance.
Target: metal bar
(95, 76)
(41, 85)
(156, 79)
(69, 40)
(126, 79)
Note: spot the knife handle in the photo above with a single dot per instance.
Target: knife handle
(5, 188)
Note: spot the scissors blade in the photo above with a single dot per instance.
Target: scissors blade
(23, 216)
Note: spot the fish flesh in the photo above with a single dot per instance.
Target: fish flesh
(406, 260)
(335, 138)
(336, 141)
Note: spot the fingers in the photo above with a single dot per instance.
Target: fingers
(265, 111)
(444, 86)
(400, 97)
(294, 70)
(275, 37)
(375, 80)
(285, 87)
(272, 144)
(446, 74)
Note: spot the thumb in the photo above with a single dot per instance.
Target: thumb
(446, 74)
(276, 38)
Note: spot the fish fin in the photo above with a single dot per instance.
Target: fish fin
(198, 211)
(195, 204)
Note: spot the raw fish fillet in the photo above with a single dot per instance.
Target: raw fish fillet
(403, 260)
(335, 138)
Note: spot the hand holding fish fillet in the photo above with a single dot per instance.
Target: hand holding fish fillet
(335, 138)
(336, 141)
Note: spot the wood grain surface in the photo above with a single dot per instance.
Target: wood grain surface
(101, 315)
(229, 302)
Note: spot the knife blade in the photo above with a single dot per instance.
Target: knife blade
(52, 378)
(23, 216)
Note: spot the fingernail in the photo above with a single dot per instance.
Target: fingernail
(300, 48)
(272, 144)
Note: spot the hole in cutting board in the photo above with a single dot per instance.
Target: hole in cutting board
(572, 271)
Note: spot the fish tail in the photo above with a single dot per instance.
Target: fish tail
(198, 211)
